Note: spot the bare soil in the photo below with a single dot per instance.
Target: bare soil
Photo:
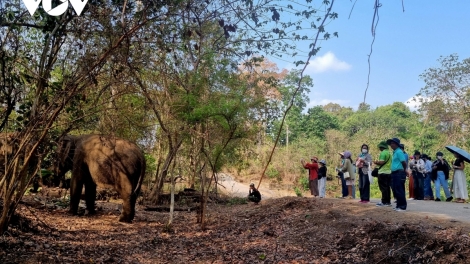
(281, 230)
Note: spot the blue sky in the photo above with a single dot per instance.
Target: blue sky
(407, 43)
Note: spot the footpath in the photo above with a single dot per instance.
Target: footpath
(444, 210)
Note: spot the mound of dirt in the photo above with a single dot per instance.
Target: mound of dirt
(283, 230)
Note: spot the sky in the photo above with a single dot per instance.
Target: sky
(406, 44)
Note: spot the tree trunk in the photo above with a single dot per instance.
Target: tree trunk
(159, 184)
(172, 195)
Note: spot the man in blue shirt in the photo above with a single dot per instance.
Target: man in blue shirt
(398, 174)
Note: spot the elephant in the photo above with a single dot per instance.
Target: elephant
(97, 160)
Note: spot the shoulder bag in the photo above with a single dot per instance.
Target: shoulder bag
(375, 172)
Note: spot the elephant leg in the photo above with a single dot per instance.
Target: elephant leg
(128, 204)
(133, 200)
(127, 211)
(75, 193)
(90, 196)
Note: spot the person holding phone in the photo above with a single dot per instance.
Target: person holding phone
(312, 174)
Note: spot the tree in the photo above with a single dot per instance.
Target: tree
(445, 99)
(286, 88)
(317, 121)
(58, 61)
(89, 73)
(341, 112)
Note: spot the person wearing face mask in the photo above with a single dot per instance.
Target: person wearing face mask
(363, 162)
(440, 175)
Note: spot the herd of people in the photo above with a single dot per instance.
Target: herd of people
(392, 169)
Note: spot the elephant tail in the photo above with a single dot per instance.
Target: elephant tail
(143, 166)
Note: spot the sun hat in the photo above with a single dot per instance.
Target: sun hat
(323, 162)
(383, 144)
(396, 140)
(347, 154)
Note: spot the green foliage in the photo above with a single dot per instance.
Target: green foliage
(273, 173)
(151, 164)
(297, 191)
(375, 190)
(385, 121)
(304, 183)
(317, 121)
(446, 96)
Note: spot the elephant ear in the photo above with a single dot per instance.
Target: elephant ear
(66, 146)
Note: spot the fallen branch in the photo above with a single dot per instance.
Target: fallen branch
(167, 208)
(393, 252)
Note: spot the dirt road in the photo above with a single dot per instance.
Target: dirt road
(443, 210)
(238, 189)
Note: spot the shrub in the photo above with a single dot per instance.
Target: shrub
(304, 182)
(273, 174)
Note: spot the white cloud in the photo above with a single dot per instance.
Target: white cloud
(415, 102)
(327, 62)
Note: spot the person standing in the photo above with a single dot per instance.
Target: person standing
(384, 176)
(459, 182)
(322, 178)
(312, 174)
(398, 174)
(344, 187)
(362, 165)
(408, 174)
(428, 195)
(349, 168)
(417, 167)
(440, 175)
